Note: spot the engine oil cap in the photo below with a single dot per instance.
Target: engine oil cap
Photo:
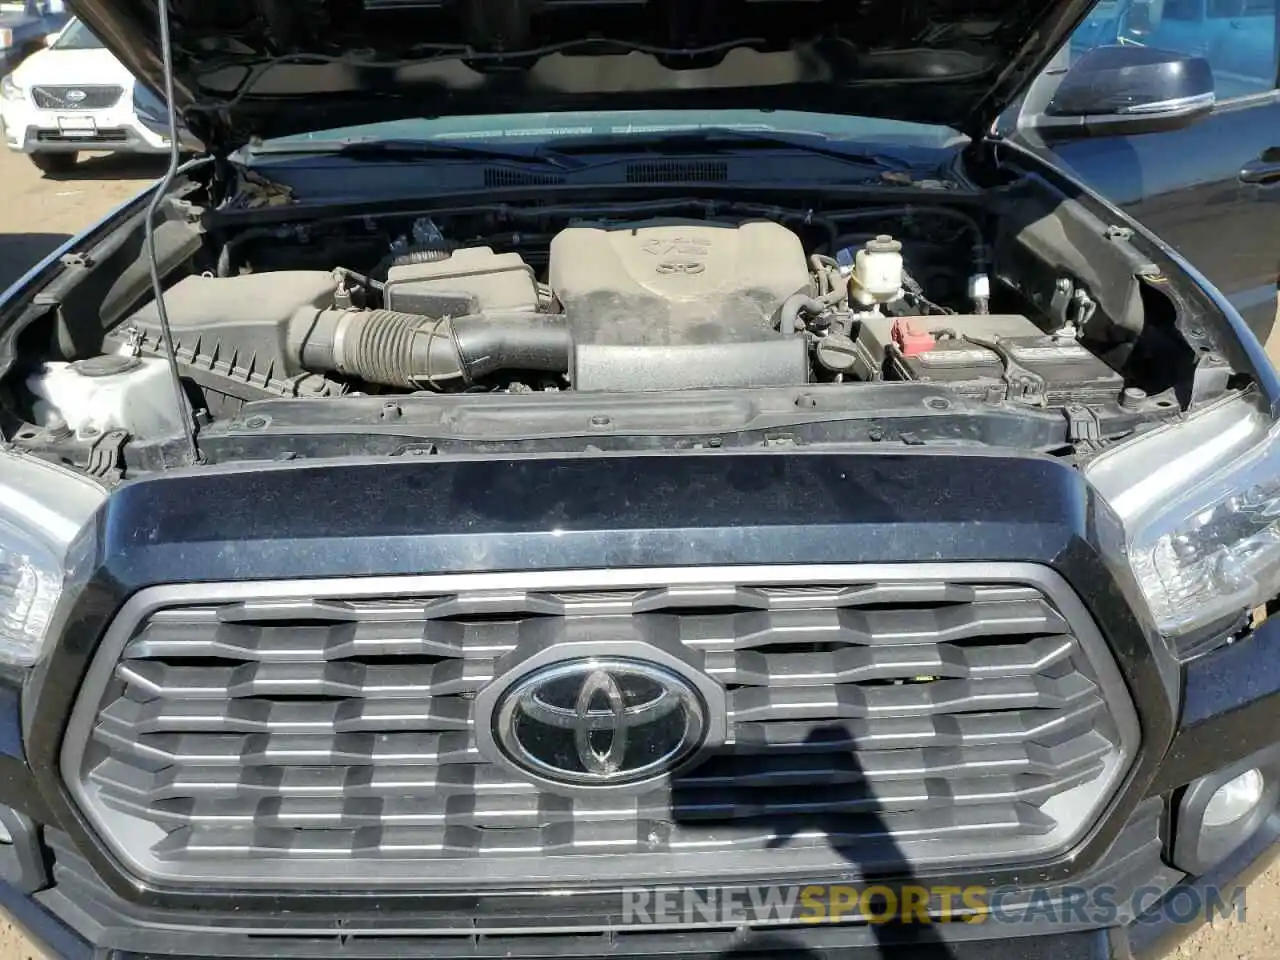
(107, 365)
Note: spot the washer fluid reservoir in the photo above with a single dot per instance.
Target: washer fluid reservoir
(105, 393)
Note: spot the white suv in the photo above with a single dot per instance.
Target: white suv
(71, 97)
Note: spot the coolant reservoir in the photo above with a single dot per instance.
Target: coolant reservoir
(106, 393)
(877, 272)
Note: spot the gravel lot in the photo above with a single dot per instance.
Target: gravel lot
(36, 214)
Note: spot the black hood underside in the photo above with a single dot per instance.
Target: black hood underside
(264, 68)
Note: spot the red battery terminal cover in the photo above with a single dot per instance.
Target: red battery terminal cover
(911, 336)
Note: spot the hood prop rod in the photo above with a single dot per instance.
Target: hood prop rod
(161, 189)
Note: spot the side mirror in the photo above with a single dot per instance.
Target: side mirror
(1127, 89)
(50, 39)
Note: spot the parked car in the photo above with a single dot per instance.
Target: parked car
(1208, 189)
(542, 495)
(25, 25)
(74, 96)
(152, 113)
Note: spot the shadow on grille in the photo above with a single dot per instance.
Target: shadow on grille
(881, 724)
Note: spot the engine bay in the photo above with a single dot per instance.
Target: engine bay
(612, 301)
(626, 306)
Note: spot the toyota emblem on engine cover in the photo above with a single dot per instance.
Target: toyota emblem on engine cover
(600, 722)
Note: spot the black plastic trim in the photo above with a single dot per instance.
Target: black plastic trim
(1197, 848)
(21, 860)
(1231, 707)
(1156, 932)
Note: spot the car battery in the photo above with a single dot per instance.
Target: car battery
(934, 349)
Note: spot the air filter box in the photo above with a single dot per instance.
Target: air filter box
(469, 280)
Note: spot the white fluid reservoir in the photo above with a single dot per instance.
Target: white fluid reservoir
(877, 272)
(110, 392)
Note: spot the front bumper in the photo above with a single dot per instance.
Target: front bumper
(29, 130)
(539, 514)
(68, 923)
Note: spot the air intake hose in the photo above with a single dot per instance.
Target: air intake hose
(424, 253)
(415, 352)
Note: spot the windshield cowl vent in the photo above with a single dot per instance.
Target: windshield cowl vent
(504, 177)
(667, 171)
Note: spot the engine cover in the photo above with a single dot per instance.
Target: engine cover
(664, 282)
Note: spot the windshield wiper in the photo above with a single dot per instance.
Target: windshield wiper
(712, 139)
(410, 150)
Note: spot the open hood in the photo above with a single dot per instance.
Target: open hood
(266, 68)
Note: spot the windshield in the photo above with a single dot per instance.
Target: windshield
(76, 36)
(1237, 37)
(538, 128)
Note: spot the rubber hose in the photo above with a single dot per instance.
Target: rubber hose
(418, 254)
(792, 307)
(421, 255)
(379, 348)
(227, 266)
(412, 351)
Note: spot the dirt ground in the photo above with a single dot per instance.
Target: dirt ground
(37, 213)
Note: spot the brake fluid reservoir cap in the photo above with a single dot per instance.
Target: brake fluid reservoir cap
(107, 365)
(883, 244)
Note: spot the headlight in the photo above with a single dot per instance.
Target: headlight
(42, 509)
(1200, 501)
(10, 90)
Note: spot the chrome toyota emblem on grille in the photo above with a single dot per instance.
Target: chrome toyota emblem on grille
(584, 723)
(600, 722)
(75, 96)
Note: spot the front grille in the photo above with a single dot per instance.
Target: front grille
(98, 136)
(76, 98)
(324, 731)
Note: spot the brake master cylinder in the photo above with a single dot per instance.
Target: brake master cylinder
(877, 272)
